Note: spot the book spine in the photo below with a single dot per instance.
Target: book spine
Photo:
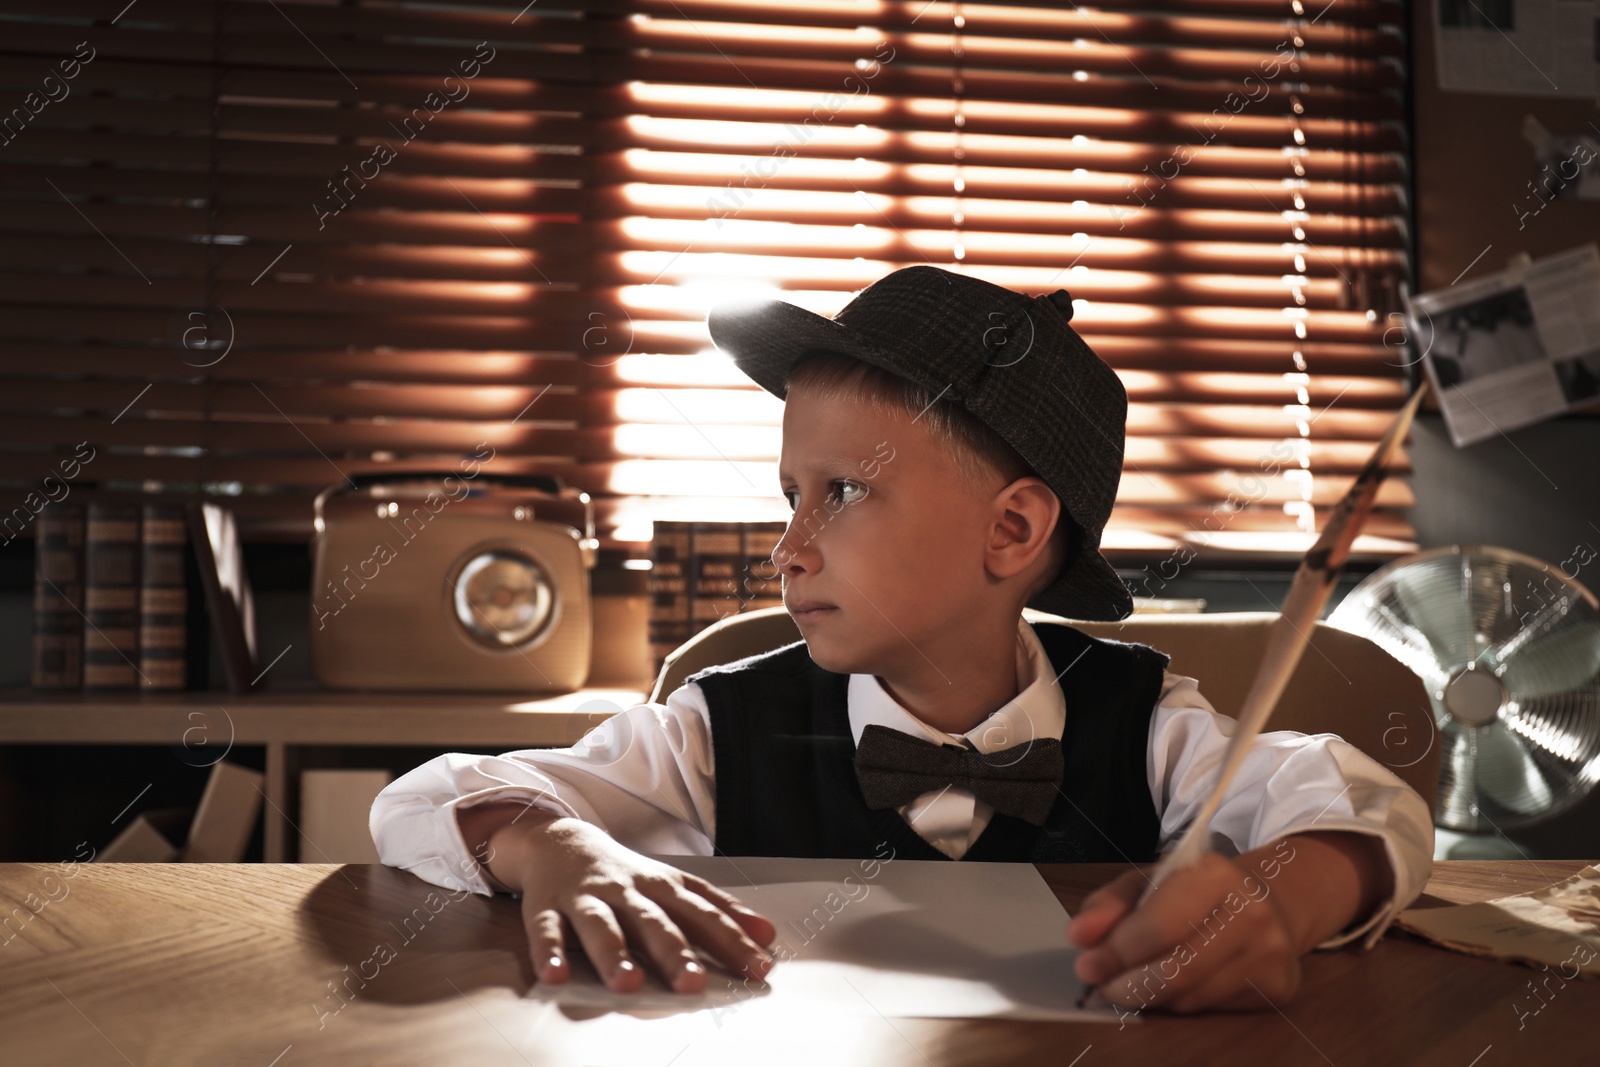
(58, 606)
(761, 584)
(728, 567)
(163, 598)
(111, 596)
(702, 572)
(669, 589)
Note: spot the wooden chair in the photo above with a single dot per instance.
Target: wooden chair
(1344, 684)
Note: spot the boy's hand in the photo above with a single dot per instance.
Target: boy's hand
(1185, 949)
(1228, 933)
(616, 900)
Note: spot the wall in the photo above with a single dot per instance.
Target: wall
(1536, 490)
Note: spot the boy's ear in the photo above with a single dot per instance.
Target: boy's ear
(1024, 515)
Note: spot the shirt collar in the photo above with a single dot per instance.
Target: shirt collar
(1038, 709)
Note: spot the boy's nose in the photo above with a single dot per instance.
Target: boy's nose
(794, 554)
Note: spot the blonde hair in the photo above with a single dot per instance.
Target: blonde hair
(977, 450)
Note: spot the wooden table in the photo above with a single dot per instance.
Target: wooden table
(169, 964)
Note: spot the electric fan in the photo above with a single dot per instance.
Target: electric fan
(1509, 649)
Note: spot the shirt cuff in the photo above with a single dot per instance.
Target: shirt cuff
(1385, 912)
(472, 875)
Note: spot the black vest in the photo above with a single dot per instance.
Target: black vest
(785, 770)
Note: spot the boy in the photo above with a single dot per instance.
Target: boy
(951, 450)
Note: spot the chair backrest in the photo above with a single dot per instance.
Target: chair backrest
(1344, 684)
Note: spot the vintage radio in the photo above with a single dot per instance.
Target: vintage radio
(450, 581)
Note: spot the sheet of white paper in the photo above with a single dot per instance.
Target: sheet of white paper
(910, 938)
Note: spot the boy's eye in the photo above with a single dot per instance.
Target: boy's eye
(842, 488)
(846, 492)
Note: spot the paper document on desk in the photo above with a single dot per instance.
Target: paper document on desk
(915, 938)
(1558, 926)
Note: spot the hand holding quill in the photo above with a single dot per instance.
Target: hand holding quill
(1308, 593)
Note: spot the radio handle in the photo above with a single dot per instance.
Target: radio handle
(589, 545)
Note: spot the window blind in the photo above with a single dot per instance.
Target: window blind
(252, 248)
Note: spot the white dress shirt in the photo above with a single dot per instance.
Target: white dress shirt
(646, 776)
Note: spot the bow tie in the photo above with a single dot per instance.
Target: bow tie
(895, 768)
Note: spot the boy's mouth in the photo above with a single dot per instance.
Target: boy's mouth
(806, 610)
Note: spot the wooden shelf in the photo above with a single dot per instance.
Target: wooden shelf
(287, 720)
(310, 716)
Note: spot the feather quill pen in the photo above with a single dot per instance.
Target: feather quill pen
(1308, 592)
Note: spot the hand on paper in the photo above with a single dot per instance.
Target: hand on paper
(624, 907)
(1213, 936)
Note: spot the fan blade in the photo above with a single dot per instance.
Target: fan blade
(1508, 775)
(1432, 600)
(1458, 782)
(1409, 643)
(1557, 661)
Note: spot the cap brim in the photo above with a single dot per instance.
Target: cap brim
(767, 338)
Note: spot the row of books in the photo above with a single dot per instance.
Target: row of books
(110, 596)
(702, 572)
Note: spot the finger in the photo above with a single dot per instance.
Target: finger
(709, 926)
(760, 928)
(601, 936)
(1239, 986)
(546, 942)
(1176, 973)
(1102, 911)
(1169, 917)
(662, 944)
(1105, 907)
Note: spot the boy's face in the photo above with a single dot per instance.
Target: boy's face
(885, 532)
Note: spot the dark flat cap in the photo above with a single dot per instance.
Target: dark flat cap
(1011, 360)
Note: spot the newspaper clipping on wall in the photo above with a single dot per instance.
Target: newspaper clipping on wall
(1513, 348)
(1526, 47)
